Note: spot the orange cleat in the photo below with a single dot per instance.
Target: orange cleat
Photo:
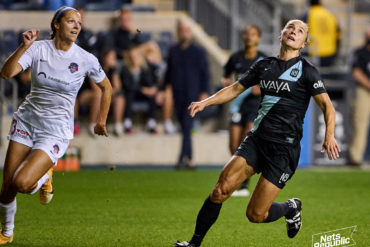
(46, 190)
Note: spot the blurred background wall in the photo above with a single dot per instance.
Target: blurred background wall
(217, 27)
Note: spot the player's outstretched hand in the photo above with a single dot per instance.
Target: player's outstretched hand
(330, 146)
(195, 107)
(28, 37)
(100, 129)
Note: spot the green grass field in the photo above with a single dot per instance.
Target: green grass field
(155, 208)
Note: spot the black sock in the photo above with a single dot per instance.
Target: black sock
(206, 217)
(244, 185)
(278, 210)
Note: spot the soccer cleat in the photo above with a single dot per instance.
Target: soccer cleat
(169, 128)
(184, 244)
(5, 240)
(91, 130)
(153, 131)
(128, 131)
(118, 129)
(46, 190)
(294, 222)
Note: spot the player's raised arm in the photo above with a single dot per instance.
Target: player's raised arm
(224, 95)
(11, 66)
(330, 144)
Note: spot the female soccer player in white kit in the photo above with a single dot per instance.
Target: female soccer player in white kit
(43, 125)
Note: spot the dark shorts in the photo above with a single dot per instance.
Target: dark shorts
(277, 162)
(248, 111)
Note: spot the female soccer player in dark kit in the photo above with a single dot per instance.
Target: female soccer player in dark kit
(43, 124)
(272, 147)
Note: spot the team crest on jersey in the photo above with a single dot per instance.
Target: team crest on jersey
(56, 148)
(294, 72)
(73, 67)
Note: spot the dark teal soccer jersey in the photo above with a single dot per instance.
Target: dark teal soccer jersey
(286, 88)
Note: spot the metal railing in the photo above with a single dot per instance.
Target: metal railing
(226, 20)
(7, 103)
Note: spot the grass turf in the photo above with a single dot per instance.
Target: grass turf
(156, 208)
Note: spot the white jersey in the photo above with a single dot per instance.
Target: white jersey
(56, 78)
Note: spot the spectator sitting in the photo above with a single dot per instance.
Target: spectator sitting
(164, 99)
(86, 39)
(109, 64)
(152, 54)
(138, 84)
(87, 98)
(124, 36)
(324, 34)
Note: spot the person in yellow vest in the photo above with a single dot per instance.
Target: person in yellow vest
(324, 34)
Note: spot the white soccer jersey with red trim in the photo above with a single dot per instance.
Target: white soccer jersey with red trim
(56, 78)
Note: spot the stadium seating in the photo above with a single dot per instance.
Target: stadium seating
(10, 39)
(165, 42)
(44, 34)
(141, 8)
(166, 37)
(99, 6)
(8, 42)
(164, 46)
(145, 36)
(19, 35)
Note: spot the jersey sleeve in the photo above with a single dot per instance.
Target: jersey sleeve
(26, 59)
(250, 78)
(95, 72)
(315, 84)
(358, 61)
(228, 68)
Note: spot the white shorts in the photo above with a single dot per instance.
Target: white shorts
(25, 134)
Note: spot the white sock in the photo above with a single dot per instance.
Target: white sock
(41, 181)
(7, 213)
(118, 128)
(169, 127)
(91, 128)
(151, 123)
(127, 123)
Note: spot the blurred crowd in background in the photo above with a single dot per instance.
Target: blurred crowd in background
(153, 82)
(53, 5)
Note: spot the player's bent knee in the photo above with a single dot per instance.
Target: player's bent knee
(220, 194)
(255, 216)
(23, 185)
